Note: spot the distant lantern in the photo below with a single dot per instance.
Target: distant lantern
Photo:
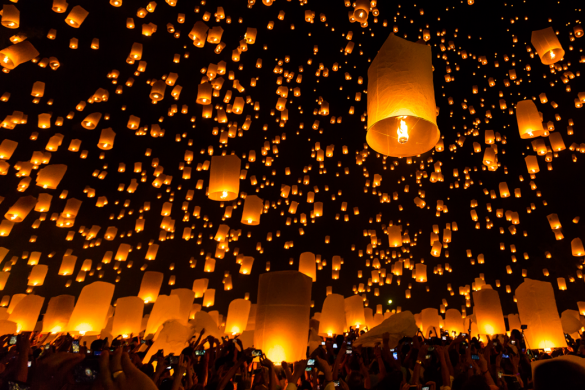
(204, 92)
(224, 178)
(253, 207)
(50, 176)
(199, 287)
(361, 10)
(308, 265)
(237, 316)
(21, 208)
(282, 315)
(58, 313)
(528, 118)
(90, 314)
(76, 16)
(14, 55)
(537, 308)
(395, 236)
(246, 266)
(106, 141)
(209, 297)
(488, 312)
(333, 321)
(401, 100)
(128, 316)
(420, 272)
(91, 121)
(150, 286)
(547, 46)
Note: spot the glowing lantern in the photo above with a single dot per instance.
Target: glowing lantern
(59, 6)
(401, 100)
(532, 164)
(453, 321)
(577, 247)
(90, 314)
(224, 178)
(76, 16)
(150, 286)
(166, 308)
(237, 317)
(209, 297)
(14, 55)
(10, 16)
(421, 272)
(332, 321)
(20, 209)
(488, 312)
(307, 265)
(252, 212)
(547, 46)
(50, 176)
(67, 265)
(538, 310)
(37, 275)
(199, 287)
(106, 141)
(529, 121)
(91, 121)
(282, 315)
(395, 236)
(354, 311)
(3, 279)
(361, 10)
(246, 266)
(128, 316)
(562, 283)
(58, 313)
(26, 313)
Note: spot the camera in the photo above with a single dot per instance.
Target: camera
(475, 356)
(395, 355)
(75, 346)
(12, 340)
(200, 352)
(257, 352)
(444, 338)
(310, 364)
(505, 356)
(86, 371)
(173, 360)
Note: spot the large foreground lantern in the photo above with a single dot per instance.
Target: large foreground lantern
(90, 314)
(237, 317)
(332, 320)
(128, 316)
(282, 315)
(58, 313)
(453, 322)
(14, 55)
(538, 310)
(401, 100)
(308, 266)
(26, 313)
(488, 312)
(547, 46)
(224, 178)
(354, 311)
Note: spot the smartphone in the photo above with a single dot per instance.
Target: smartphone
(322, 342)
(12, 340)
(257, 352)
(75, 347)
(444, 338)
(97, 353)
(475, 356)
(311, 362)
(348, 351)
(336, 383)
(431, 349)
(348, 343)
(87, 371)
(505, 356)
(395, 355)
(334, 345)
(29, 363)
(201, 352)
(426, 388)
(173, 360)
(427, 357)
(47, 346)
(142, 341)
(464, 334)
(513, 341)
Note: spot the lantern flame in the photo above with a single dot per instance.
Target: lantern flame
(402, 132)
(224, 194)
(552, 54)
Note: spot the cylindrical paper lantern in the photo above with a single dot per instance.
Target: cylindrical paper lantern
(246, 266)
(150, 286)
(209, 297)
(401, 100)
(547, 46)
(354, 312)
(237, 317)
(90, 314)
(332, 320)
(14, 55)
(453, 322)
(307, 265)
(26, 313)
(128, 316)
(488, 312)
(106, 141)
(199, 287)
(50, 176)
(21, 208)
(528, 118)
(38, 274)
(58, 313)
(282, 315)
(76, 16)
(224, 178)
(252, 212)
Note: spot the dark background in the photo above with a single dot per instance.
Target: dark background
(482, 29)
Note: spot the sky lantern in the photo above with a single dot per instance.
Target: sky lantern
(209, 297)
(224, 178)
(577, 247)
(167, 307)
(106, 141)
(282, 315)
(253, 207)
(90, 313)
(488, 312)
(420, 272)
(401, 100)
(307, 265)
(547, 46)
(91, 121)
(14, 55)
(76, 16)
(150, 286)
(453, 322)
(332, 320)
(528, 118)
(430, 322)
(354, 311)
(10, 16)
(538, 310)
(38, 274)
(26, 313)
(186, 297)
(58, 313)
(199, 287)
(21, 208)
(50, 176)
(127, 316)
(237, 316)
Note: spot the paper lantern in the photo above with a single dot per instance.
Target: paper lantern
(60, 6)
(7, 148)
(532, 164)
(76, 16)
(90, 313)
(186, 297)
(14, 55)
(581, 306)
(538, 310)
(37, 275)
(199, 287)
(165, 308)
(10, 16)
(332, 321)
(282, 315)
(50, 176)
(354, 312)
(150, 286)
(204, 93)
(237, 317)
(547, 46)
(246, 266)
(395, 236)
(106, 141)
(91, 121)
(224, 178)
(577, 247)
(3, 279)
(361, 10)
(562, 283)
(488, 312)
(307, 265)
(429, 321)
(453, 322)
(401, 100)
(157, 92)
(252, 212)
(528, 118)
(21, 208)
(128, 316)
(16, 298)
(26, 313)
(420, 272)
(58, 313)
(209, 297)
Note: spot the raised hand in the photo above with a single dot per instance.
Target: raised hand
(119, 373)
